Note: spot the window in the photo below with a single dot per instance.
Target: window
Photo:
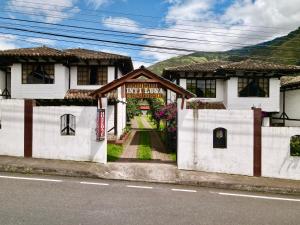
(92, 75)
(37, 73)
(67, 124)
(220, 138)
(295, 145)
(253, 87)
(202, 88)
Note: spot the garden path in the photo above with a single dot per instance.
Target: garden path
(159, 153)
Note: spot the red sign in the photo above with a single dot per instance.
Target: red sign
(101, 125)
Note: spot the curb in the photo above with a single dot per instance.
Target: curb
(111, 174)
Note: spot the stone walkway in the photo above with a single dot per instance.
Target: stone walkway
(159, 153)
(158, 148)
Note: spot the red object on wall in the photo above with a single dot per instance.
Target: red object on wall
(101, 125)
(144, 107)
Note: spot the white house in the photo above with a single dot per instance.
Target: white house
(289, 114)
(66, 77)
(237, 85)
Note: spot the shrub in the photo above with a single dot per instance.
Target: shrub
(295, 145)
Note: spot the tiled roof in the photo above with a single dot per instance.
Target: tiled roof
(258, 65)
(52, 52)
(248, 65)
(85, 94)
(210, 66)
(205, 105)
(38, 51)
(91, 54)
(289, 81)
(79, 94)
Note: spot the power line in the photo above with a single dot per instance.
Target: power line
(144, 16)
(231, 55)
(129, 33)
(39, 43)
(124, 24)
(84, 43)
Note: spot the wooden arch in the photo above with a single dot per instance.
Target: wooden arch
(132, 77)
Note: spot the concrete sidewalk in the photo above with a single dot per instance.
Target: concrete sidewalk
(148, 172)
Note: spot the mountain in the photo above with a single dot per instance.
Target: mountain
(284, 50)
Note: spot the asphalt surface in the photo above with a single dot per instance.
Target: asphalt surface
(49, 200)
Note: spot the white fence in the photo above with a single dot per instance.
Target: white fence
(47, 140)
(195, 141)
(12, 127)
(276, 158)
(196, 152)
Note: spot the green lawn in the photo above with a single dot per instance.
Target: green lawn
(140, 123)
(173, 156)
(113, 152)
(144, 149)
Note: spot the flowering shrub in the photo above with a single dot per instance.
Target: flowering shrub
(169, 114)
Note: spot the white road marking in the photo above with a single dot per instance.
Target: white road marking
(259, 196)
(142, 187)
(30, 178)
(183, 190)
(100, 184)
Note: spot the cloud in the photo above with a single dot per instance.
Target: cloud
(43, 41)
(7, 41)
(138, 64)
(54, 12)
(121, 24)
(98, 3)
(244, 22)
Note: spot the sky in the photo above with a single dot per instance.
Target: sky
(186, 25)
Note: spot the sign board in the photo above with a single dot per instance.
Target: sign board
(144, 90)
(100, 124)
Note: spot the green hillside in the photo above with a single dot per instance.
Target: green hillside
(284, 50)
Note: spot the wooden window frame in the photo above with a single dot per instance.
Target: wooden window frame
(84, 75)
(28, 68)
(68, 125)
(222, 142)
(244, 82)
(209, 84)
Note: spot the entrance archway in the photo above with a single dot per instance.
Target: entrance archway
(139, 84)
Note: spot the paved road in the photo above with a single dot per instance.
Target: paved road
(47, 200)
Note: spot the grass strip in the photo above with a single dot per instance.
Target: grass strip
(113, 152)
(144, 149)
(173, 156)
(140, 123)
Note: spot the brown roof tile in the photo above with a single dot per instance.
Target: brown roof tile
(85, 94)
(205, 105)
(52, 52)
(38, 51)
(289, 81)
(258, 65)
(209, 66)
(91, 54)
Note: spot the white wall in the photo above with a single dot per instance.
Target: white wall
(110, 118)
(195, 141)
(276, 159)
(12, 127)
(292, 107)
(50, 144)
(110, 77)
(269, 104)
(39, 91)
